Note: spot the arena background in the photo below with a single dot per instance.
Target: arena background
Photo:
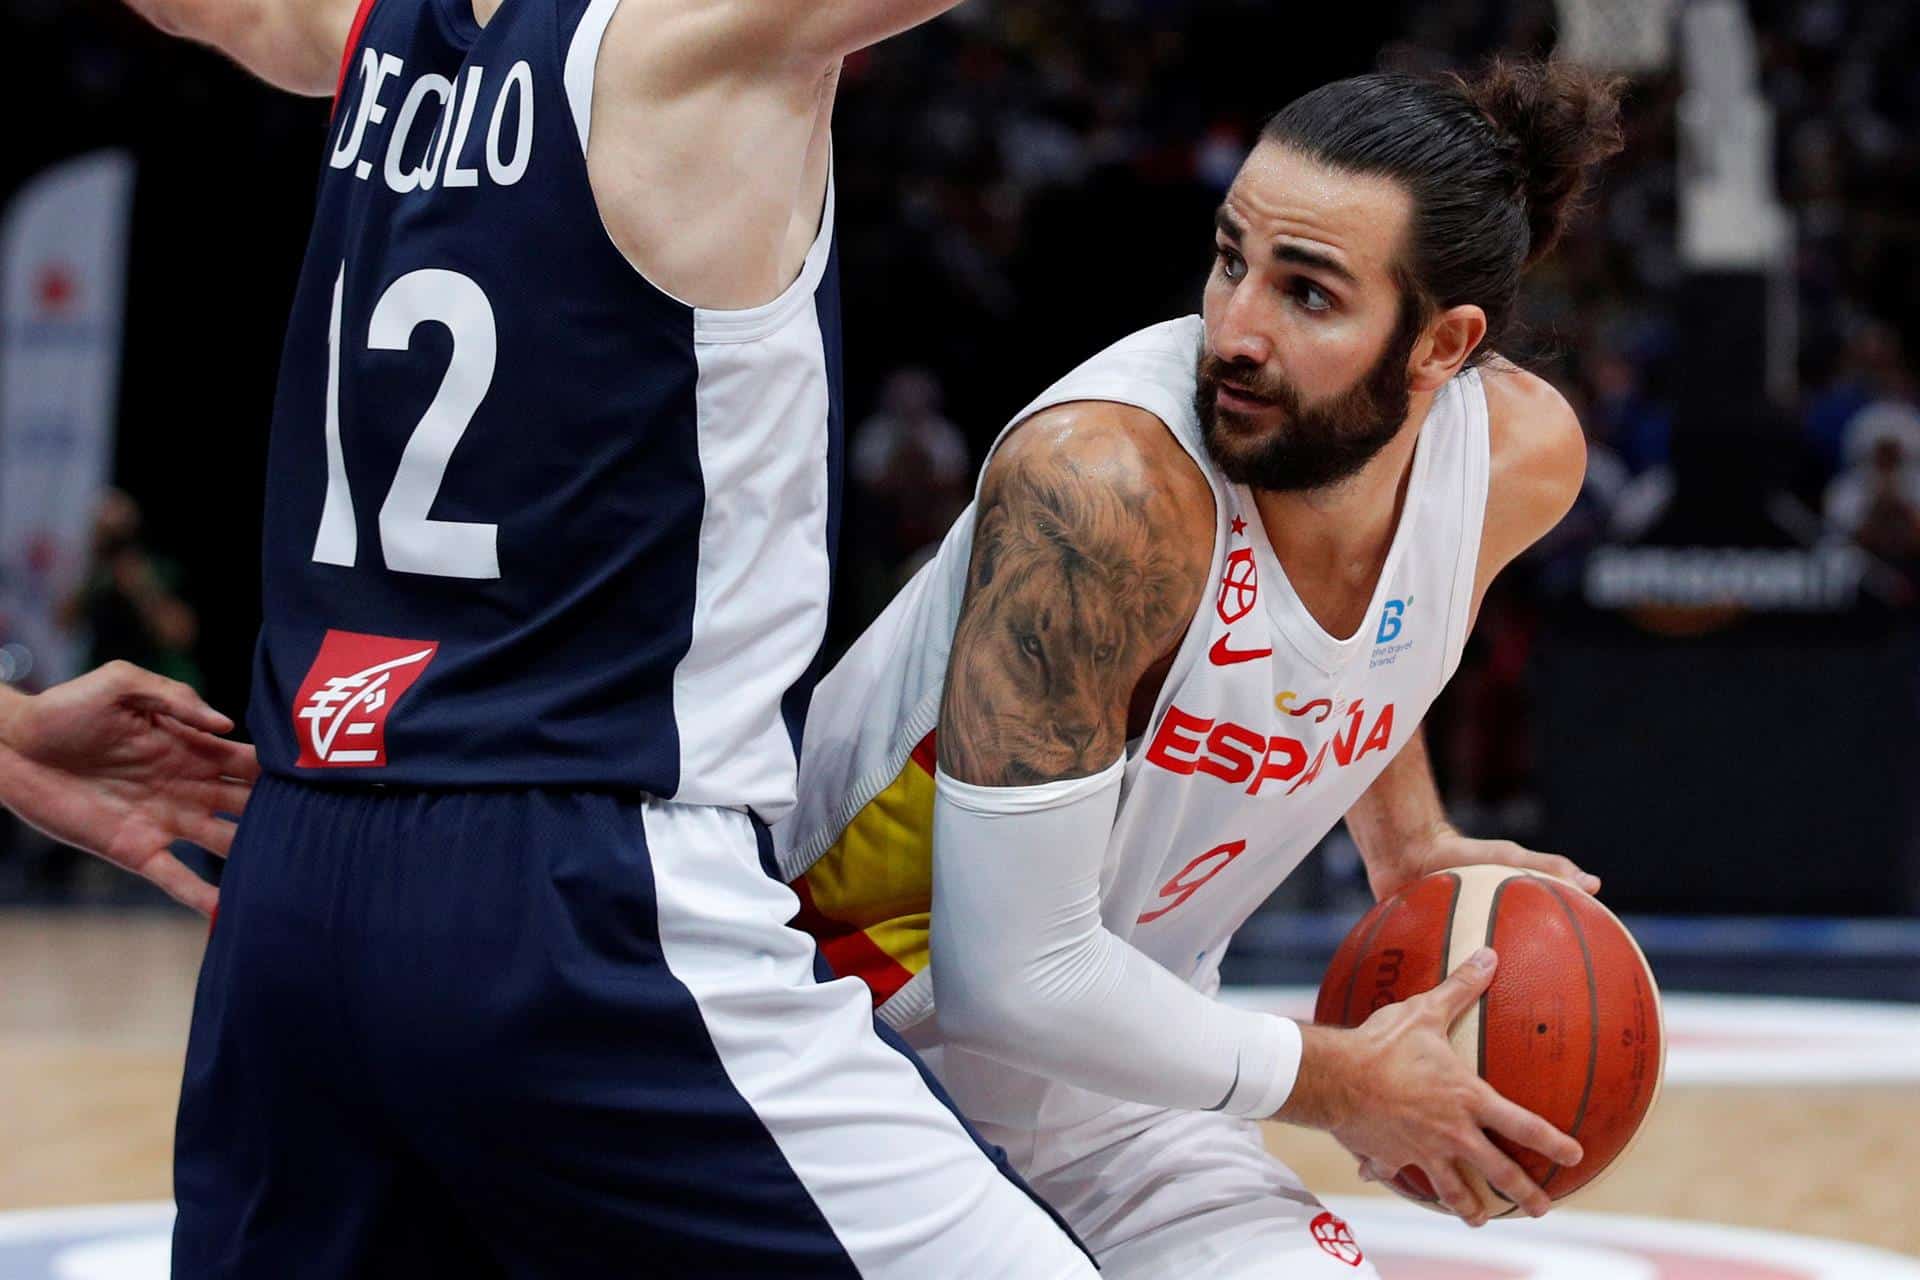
(1705, 686)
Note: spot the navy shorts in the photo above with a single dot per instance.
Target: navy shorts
(555, 1034)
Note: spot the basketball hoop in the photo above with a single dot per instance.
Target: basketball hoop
(1632, 36)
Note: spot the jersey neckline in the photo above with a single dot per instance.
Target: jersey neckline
(1284, 606)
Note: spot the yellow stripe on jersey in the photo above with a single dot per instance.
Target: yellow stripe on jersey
(868, 900)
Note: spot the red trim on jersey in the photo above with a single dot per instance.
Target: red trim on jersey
(346, 54)
(927, 753)
(848, 951)
(856, 955)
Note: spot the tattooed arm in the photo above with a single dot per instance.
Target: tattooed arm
(1092, 541)
(1092, 545)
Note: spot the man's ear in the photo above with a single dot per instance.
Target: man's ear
(1450, 338)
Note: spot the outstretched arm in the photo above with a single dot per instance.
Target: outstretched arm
(121, 762)
(291, 44)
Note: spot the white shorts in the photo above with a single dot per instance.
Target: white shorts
(1183, 1195)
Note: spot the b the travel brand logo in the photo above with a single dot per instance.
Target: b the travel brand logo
(1393, 621)
(340, 713)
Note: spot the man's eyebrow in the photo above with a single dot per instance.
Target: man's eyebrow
(1223, 221)
(1301, 256)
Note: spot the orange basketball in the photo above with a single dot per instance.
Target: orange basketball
(1570, 1029)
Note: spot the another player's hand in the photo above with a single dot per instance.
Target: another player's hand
(1446, 848)
(1418, 1104)
(122, 763)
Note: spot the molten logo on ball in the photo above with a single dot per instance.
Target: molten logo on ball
(1334, 1237)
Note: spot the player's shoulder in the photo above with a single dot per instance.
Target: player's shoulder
(1538, 450)
(1103, 446)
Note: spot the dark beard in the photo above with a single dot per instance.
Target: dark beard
(1317, 446)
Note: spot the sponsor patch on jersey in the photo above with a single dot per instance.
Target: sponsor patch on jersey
(340, 714)
(1387, 644)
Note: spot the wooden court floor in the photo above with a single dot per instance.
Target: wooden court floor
(93, 1018)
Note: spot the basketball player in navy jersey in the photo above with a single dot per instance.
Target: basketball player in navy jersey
(500, 984)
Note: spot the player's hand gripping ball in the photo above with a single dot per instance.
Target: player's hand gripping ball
(1570, 1028)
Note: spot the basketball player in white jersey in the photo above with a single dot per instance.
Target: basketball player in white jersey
(1212, 581)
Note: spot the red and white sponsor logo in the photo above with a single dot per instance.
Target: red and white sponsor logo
(1335, 1237)
(340, 714)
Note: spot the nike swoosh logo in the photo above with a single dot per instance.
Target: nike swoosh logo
(1221, 656)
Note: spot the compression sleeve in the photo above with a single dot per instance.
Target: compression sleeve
(1025, 972)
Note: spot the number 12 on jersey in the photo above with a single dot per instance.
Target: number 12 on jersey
(410, 540)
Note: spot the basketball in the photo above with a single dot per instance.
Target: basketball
(1570, 1029)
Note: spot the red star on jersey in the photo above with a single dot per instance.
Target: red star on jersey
(1239, 525)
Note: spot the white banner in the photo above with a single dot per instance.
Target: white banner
(63, 251)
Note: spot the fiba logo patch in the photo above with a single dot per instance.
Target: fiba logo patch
(1336, 1238)
(340, 714)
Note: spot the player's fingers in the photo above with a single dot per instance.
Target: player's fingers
(221, 757)
(157, 694)
(1464, 985)
(1455, 1193)
(238, 761)
(1507, 1177)
(1569, 870)
(216, 795)
(181, 884)
(1517, 1124)
(215, 835)
(1507, 853)
(228, 797)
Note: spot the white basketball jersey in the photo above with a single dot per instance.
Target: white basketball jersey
(1265, 732)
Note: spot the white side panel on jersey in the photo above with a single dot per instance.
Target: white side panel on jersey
(903, 1186)
(761, 404)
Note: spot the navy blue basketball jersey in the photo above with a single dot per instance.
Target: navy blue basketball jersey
(530, 519)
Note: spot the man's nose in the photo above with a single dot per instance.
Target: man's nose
(1241, 337)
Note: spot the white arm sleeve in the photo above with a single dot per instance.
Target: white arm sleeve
(1025, 972)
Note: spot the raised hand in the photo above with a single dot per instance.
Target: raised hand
(121, 762)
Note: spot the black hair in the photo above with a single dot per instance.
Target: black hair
(1495, 167)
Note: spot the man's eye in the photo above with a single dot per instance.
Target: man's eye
(1232, 266)
(1030, 645)
(1312, 296)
